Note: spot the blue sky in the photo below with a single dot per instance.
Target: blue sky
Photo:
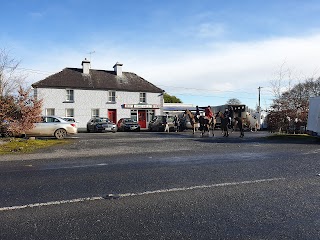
(202, 51)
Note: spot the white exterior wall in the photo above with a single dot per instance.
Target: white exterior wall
(86, 100)
(313, 123)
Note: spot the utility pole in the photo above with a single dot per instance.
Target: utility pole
(259, 88)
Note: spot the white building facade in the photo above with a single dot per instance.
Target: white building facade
(85, 93)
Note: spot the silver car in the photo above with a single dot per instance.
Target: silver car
(52, 126)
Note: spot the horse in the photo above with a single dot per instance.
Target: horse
(193, 120)
(252, 122)
(207, 124)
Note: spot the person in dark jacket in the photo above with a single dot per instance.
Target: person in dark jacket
(231, 118)
(197, 116)
(240, 126)
(176, 123)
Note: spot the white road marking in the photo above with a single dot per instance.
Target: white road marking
(123, 195)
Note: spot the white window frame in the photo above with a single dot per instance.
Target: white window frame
(69, 95)
(112, 96)
(69, 112)
(49, 111)
(142, 97)
(134, 115)
(94, 112)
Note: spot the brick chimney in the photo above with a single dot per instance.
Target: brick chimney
(85, 66)
(118, 69)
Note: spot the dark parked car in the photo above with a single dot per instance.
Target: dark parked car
(158, 123)
(127, 124)
(101, 124)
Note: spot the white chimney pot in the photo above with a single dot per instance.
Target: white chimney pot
(118, 69)
(85, 66)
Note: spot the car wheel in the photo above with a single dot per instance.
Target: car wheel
(88, 129)
(60, 133)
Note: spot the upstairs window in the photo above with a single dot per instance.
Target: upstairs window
(142, 98)
(70, 95)
(112, 96)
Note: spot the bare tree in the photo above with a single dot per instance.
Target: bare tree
(18, 108)
(233, 101)
(10, 76)
(282, 81)
(289, 109)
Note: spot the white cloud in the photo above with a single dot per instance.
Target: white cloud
(235, 67)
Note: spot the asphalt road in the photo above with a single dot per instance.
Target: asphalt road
(163, 186)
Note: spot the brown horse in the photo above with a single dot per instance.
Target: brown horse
(193, 120)
(208, 124)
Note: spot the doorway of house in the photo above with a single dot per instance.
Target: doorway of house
(142, 118)
(112, 115)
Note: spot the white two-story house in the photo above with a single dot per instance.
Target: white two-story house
(84, 93)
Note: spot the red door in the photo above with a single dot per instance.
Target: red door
(112, 115)
(142, 119)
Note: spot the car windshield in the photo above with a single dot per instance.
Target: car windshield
(129, 120)
(69, 119)
(168, 118)
(102, 120)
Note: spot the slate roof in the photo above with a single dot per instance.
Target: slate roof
(97, 80)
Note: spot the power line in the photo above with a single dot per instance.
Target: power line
(201, 89)
(197, 95)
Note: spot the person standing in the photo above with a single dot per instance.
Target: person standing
(240, 126)
(166, 129)
(197, 114)
(176, 123)
(231, 118)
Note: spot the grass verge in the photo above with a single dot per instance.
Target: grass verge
(293, 137)
(20, 145)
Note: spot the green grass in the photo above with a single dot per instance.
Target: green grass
(20, 145)
(292, 137)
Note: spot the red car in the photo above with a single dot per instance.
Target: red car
(127, 124)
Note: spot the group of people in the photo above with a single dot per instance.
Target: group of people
(228, 119)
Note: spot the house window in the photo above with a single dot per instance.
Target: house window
(70, 95)
(95, 112)
(112, 96)
(142, 98)
(35, 93)
(134, 115)
(69, 112)
(50, 111)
